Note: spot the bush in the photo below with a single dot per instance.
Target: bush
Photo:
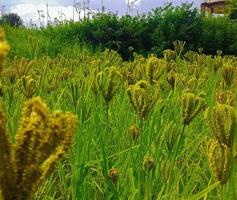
(12, 19)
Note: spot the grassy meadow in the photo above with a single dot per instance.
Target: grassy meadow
(148, 128)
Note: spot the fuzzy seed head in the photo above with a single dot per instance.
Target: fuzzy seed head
(171, 133)
(134, 132)
(154, 70)
(191, 105)
(4, 47)
(169, 54)
(148, 163)
(171, 80)
(29, 86)
(141, 98)
(222, 121)
(228, 74)
(219, 156)
(107, 83)
(114, 175)
(42, 139)
(226, 97)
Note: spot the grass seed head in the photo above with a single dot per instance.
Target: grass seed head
(114, 175)
(4, 47)
(222, 121)
(219, 156)
(179, 46)
(228, 74)
(29, 86)
(171, 134)
(7, 170)
(154, 70)
(134, 132)
(191, 105)
(226, 97)
(148, 163)
(141, 98)
(169, 54)
(42, 139)
(171, 80)
(107, 83)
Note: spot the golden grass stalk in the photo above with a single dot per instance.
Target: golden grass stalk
(42, 139)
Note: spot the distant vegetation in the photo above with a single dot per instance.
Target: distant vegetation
(12, 19)
(143, 34)
(232, 7)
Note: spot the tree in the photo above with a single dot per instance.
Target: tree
(232, 9)
(13, 19)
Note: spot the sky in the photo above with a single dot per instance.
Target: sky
(27, 9)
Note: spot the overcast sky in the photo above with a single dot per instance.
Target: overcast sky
(27, 9)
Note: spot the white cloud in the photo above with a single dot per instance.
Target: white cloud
(28, 9)
(29, 12)
(136, 2)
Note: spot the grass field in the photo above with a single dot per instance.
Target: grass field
(151, 128)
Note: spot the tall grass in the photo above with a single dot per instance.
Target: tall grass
(165, 161)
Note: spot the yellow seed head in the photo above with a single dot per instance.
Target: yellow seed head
(171, 133)
(141, 99)
(220, 97)
(134, 132)
(171, 80)
(170, 65)
(109, 92)
(29, 86)
(95, 84)
(226, 97)
(4, 47)
(7, 171)
(179, 46)
(222, 121)
(42, 139)
(22, 66)
(154, 70)
(148, 163)
(114, 175)
(191, 105)
(228, 74)
(219, 156)
(107, 83)
(11, 74)
(169, 54)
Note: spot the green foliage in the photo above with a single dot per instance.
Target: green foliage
(232, 7)
(11, 19)
(219, 34)
(175, 23)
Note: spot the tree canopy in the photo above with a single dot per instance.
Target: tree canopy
(13, 19)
